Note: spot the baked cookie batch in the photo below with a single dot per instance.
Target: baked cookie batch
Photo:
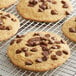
(37, 51)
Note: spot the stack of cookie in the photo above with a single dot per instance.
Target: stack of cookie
(37, 51)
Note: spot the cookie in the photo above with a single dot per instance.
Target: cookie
(44, 10)
(69, 29)
(9, 25)
(6, 3)
(38, 51)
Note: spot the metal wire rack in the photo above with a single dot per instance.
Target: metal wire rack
(67, 69)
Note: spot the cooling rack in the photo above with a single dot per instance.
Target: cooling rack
(67, 69)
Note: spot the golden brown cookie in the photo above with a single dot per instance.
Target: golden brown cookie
(39, 51)
(6, 3)
(69, 29)
(44, 10)
(9, 25)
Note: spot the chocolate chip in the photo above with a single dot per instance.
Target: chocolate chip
(18, 40)
(36, 34)
(39, 60)
(36, 39)
(24, 49)
(72, 30)
(1, 13)
(55, 47)
(50, 51)
(62, 41)
(14, 20)
(8, 15)
(33, 41)
(18, 51)
(31, 5)
(3, 17)
(65, 5)
(8, 28)
(45, 53)
(33, 2)
(53, 57)
(43, 43)
(59, 53)
(19, 36)
(12, 42)
(44, 58)
(63, 2)
(53, 38)
(54, 12)
(26, 54)
(40, 10)
(29, 62)
(33, 49)
(51, 41)
(67, 12)
(43, 0)
(43, 38)
(65, 52)
(5, 27)
(47, 35)
(44, 48)
(43, 6)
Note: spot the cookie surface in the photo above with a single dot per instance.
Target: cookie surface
(39, 51)
(6, 3)
(44, 10)
(69, 29)
(9, 25)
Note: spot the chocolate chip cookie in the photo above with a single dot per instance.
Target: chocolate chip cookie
(6, 3)
(38, 51)
(69, 29)
(9, 25)
(44, 10)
